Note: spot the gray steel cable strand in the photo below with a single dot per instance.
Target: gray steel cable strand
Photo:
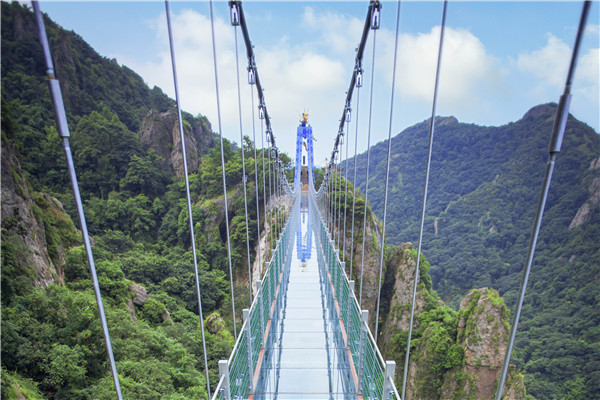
(560, 121)
(63, 131)
(340, 201)
(362, 262)
(387, 170)
(334, 203)
(187, 191)
(354, 183)
(244, 177)
(256, 180)
(423, 205)
(270, 202)
(214, 49)
(264, 185)
(346, 193)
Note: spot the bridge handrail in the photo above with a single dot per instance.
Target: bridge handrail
(380, 382)
(237, 372)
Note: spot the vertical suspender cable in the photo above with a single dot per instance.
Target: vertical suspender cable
(337, 199)
(354, 182)
(187, 192)
(270, 213)
(212, 27)
(560, 121)
(334, 201)
(362, 262)
(340, 232)
(431, 131)
(244, 177)
(387, 170)
(346, 193)
(63, 131)
(256, 181)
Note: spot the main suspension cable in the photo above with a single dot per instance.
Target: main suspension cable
(424, 203)
(63, 130)
(560, 121)
(354, 181)
(187, 191)
(212, 27)
(346, 191)
(244, 177)
(362, 262)
(387, 169)
(256, 182)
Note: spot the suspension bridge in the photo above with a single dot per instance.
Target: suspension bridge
(305, 335)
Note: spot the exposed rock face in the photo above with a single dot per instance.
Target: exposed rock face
(370, 268)
(475, 348)
(140, 294)
(402, 266)
(23, 222)
(584, 214)
(483, 331)
(160, 132)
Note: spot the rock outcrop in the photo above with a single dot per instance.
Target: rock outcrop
(591, 205)
(483, 330)
(160, 132)
(35, 223)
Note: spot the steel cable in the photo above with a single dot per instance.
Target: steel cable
(423, 205)
(214, 49)
(63, 130)
(244, 177)
(367, 173)
(562, 114)
(387, 169)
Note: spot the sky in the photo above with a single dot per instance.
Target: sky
(499, 60)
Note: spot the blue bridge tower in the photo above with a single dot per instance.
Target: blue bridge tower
(304, 159)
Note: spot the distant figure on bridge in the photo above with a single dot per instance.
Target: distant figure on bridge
(304, 153)
(304, 119)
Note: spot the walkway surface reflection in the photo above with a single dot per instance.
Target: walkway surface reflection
(305, 357)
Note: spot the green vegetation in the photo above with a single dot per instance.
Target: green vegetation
(52, 343)
(484, 188)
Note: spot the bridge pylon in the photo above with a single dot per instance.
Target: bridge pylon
(304, 154)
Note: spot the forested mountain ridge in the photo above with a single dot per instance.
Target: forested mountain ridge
(51, 340)
(484, 188)
(52, 344)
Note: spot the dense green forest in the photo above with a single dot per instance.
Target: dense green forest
(484, 187)
(52, 343)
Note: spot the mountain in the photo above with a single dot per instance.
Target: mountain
(52, 342)
(484, 187)
(124, 139)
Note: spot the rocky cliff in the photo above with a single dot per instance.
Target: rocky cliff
(160, 131)
(454, 354)
(36, 231)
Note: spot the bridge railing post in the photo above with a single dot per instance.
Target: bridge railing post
(363, 338)
(390, 371)
(246, 315)
(261, 310)
(224, 372)
(351, 285)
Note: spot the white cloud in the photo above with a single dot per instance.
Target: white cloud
(337, 32)
(468, 72)
(293, 77)
(588, 74)
(548, 64)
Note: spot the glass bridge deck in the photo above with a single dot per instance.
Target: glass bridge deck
(305, 357)
(305, 336)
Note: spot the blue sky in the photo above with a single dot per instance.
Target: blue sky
(500, 59)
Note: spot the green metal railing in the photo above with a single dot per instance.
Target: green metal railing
(237, 372)
(375, 375)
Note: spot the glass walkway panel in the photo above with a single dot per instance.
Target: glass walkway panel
(305, 336)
